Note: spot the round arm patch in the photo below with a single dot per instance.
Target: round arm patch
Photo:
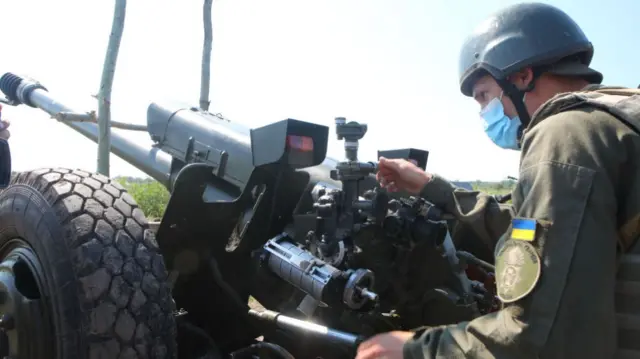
(517, 270)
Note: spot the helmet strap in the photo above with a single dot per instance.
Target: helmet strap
(517, 96)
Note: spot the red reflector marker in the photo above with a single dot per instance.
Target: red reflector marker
(300, 143)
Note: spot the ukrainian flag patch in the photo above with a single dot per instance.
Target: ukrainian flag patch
(523, 229)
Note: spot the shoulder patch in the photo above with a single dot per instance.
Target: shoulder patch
(517, 270)
(523, 229)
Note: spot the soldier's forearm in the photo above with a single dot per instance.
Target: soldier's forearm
(482, 212)
(479, 338)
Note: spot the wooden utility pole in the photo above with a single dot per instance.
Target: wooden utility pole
(104, 95)
(205, 76)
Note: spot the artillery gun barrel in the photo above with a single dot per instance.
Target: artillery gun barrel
(180, 136)
(150, 160)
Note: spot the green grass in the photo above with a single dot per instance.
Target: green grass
(151, 196)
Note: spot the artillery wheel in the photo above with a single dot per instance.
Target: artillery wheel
(80, 273)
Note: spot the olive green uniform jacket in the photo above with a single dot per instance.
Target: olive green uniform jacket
(579, 179)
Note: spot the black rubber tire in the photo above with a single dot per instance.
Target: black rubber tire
(105, 278)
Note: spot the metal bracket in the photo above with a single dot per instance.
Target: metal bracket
(92, 118)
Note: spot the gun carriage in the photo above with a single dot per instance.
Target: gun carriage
(329, 255)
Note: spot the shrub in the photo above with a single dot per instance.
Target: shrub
(151, 196)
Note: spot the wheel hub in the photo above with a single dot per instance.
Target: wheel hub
(25, 321)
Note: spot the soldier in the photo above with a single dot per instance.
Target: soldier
(576, 206)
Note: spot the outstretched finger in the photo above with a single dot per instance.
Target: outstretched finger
(389, 165)
(389, 179)
(386, 169)
(389, 185)
(386, 175)
(372, 352)
(366, 344)
(369, 348)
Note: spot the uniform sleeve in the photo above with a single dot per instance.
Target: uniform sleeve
(569, 170)
(488, 218)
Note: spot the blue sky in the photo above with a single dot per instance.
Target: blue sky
(389, 63)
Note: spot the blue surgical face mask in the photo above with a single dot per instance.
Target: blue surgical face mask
(501, 129)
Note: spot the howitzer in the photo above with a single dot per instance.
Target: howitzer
(258, 213)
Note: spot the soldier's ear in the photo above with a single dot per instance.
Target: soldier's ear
(522, 79)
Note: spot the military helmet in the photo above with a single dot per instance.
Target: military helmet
(526, 35)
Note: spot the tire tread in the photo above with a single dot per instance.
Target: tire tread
(126, 302)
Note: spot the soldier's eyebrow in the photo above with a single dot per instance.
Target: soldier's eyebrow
(479, 89)
(478, 95)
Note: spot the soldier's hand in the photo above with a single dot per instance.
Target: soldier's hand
(386, 345)
(4, 133)
(399, 174)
